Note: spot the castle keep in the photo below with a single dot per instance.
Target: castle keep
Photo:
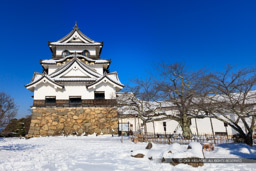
(75, 93)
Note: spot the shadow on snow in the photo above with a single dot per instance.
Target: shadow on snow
(16, 147)
(240, 149)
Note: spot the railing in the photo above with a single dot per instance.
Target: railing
(83, 103)
(179, 139)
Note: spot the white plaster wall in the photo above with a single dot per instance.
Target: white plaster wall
(110, 92)
(159, 128)
(52, 68)
(72, 89)
(137, 125)
(204, 126)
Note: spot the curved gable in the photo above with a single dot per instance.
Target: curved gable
(106, 79)
(74, 64)
(44, 79)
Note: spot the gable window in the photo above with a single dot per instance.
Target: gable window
(99, 95)
(75, 100)
(86, 53)
(65, 53)
(50, 99)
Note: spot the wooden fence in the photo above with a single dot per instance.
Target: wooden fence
(169, 140)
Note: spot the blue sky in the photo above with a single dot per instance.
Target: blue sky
(137, 35)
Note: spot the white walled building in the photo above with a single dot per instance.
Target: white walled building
(172, 126)
(75, 71)
(133, 108)
(75, 93)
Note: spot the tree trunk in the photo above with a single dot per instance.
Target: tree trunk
(248, 139)
(186, 131)
(154, 128)
(135, 130)
(213, 133)
(145, 128)
(196, 128)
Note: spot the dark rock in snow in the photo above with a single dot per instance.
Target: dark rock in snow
(139, 155)
(149, 146)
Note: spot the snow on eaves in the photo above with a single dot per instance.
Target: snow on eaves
(55, 61)
(76, 44)
(74, 79)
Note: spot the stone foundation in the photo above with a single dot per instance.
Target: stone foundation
(70, 121)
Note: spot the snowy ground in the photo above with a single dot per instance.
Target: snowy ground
(106, 153)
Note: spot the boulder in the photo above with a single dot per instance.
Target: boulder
(149, 146)
(139, 155)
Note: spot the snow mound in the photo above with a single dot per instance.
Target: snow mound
(244, 150)
(196, 148)
(175, 147)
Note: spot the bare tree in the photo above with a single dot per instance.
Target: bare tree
(140, 101)
(8, 109)
(231, 99)
(180, 87)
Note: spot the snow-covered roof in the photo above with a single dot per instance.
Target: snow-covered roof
(42, 78)
(74, 79)
(76, 34)
(85, 67)
(75, 44)
(239, 97)
(55, 61)
(36, 76)
(112, 78)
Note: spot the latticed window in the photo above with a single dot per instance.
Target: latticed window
(99, 95)
(50, 99)
(86, 53)
(65, 53)
(75, 100)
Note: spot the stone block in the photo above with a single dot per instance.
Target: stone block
(52, 128)
(79, 121)
(54, 123)
(51, 132)
(75, 117)
(45, 127)
(35, 121)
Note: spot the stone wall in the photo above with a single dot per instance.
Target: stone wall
(68, 121)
